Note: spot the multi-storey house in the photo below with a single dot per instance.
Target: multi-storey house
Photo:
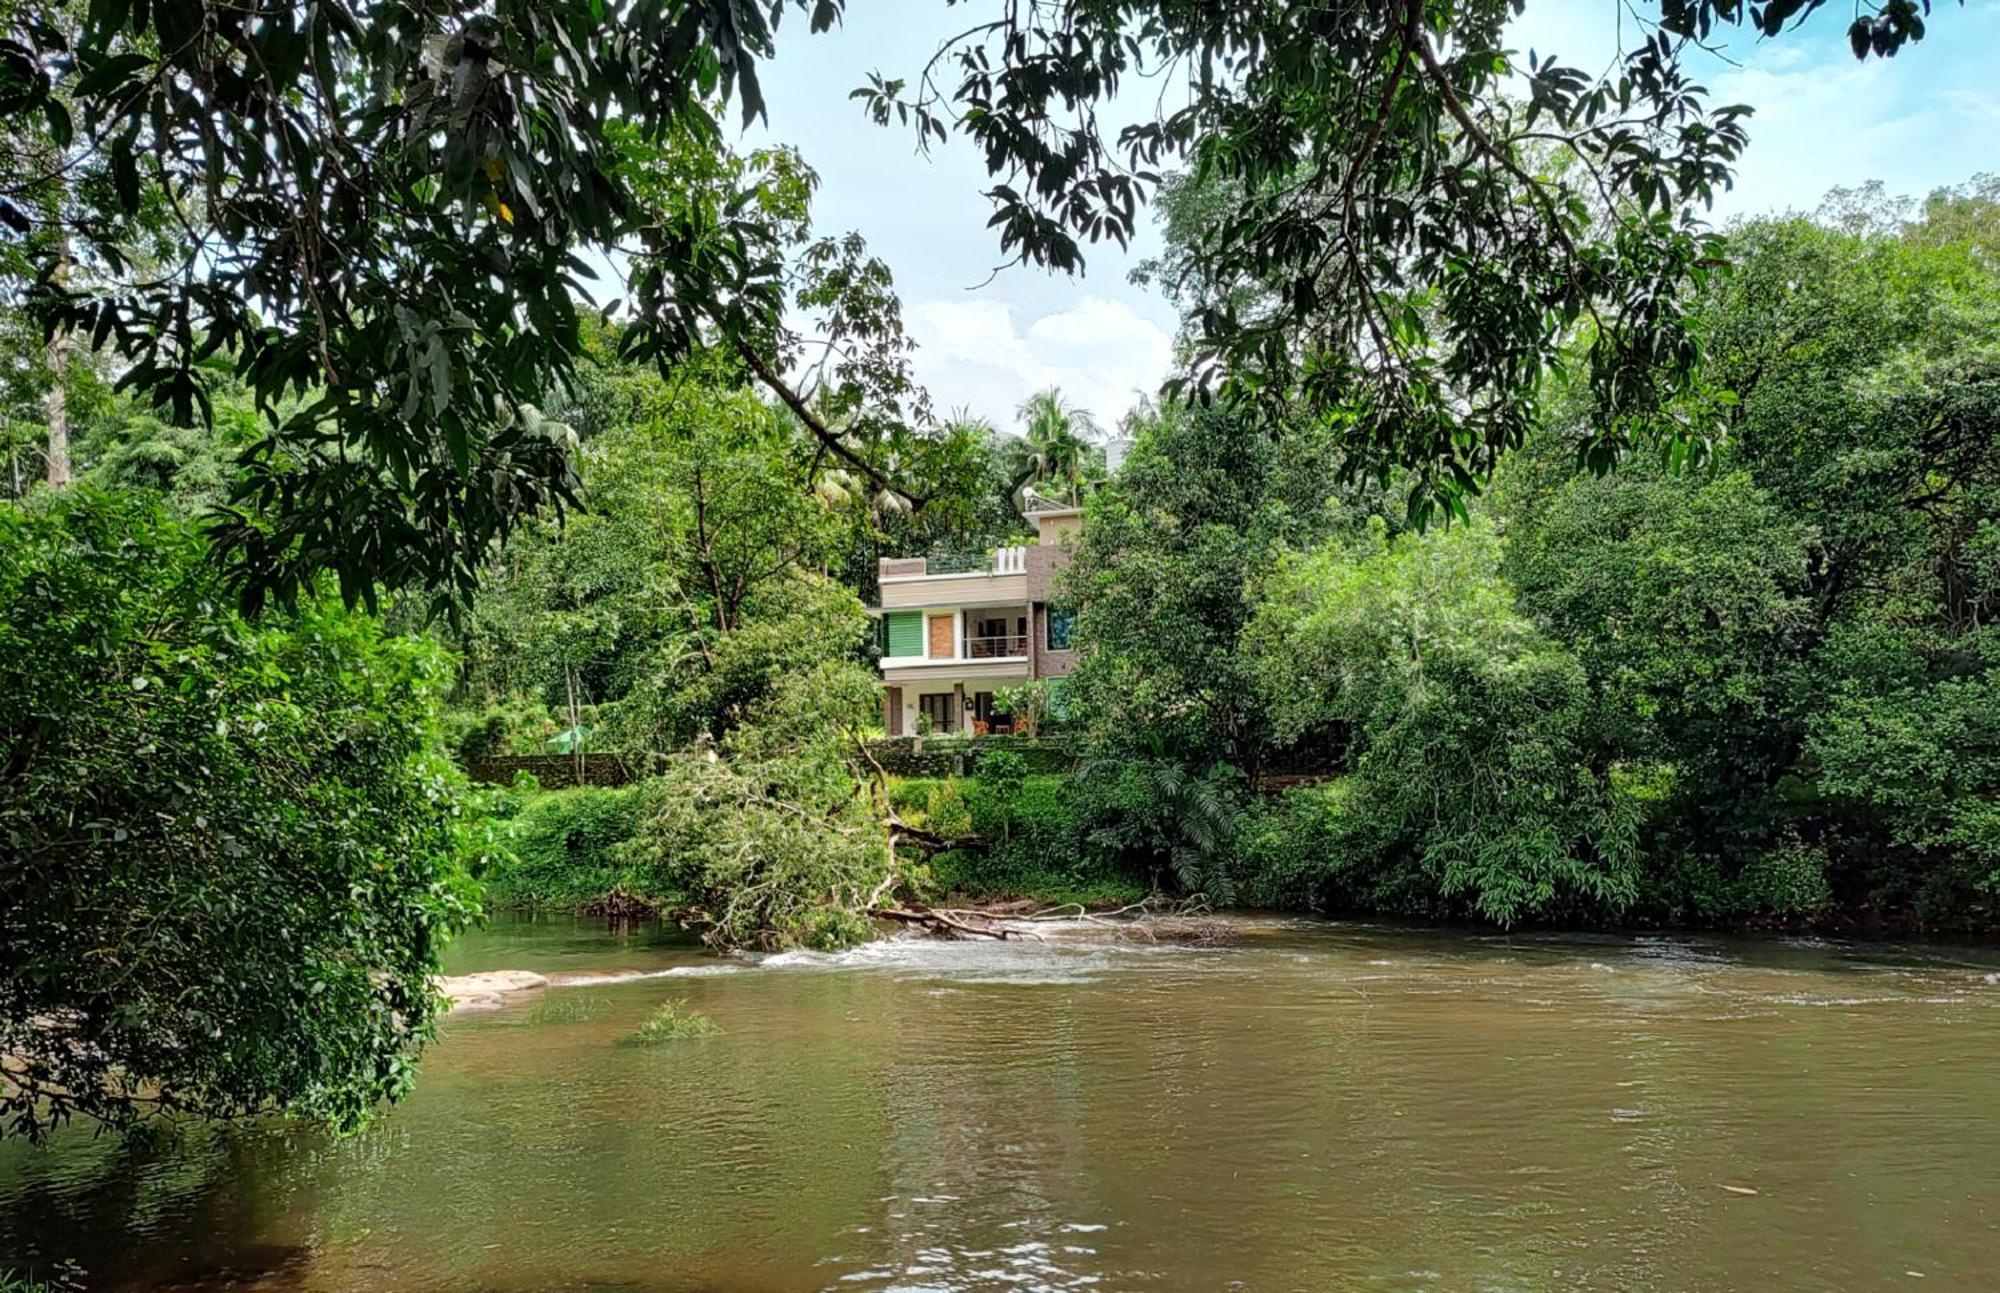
(957, 633)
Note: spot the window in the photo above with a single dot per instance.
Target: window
(937, 707)
(903, 634)
(1061, 625)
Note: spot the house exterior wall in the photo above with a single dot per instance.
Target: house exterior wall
(1047, 663)
(976, 589)
(1055, 532)
(904, 690)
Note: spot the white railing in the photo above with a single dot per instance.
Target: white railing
(1010, 561)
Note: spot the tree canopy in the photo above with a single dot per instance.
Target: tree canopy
(232, 850)
(384, 216)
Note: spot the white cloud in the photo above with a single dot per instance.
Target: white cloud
(973, 354)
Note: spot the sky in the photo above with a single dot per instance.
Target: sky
(1927, 118)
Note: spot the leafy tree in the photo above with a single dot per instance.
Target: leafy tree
(229, 852)
(1056, 456)
(1471, 781)
(1164, 581)
(687, 586)
(767, 839)
(793, 627)
(1392, 233)
(1684, 598)
(1764, 638)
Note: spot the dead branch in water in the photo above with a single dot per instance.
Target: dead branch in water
(950, 924)
(1152, 920)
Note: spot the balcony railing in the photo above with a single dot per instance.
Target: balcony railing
(996, 648)
(1011, 560)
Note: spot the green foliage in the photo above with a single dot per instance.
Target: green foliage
(1036, 842)
(1055, 459)
(671, 1022)
(1001, 773)
(1161, 818)
(766, 837)
(233, 850)
(945, 810)
(670, 608)
(1914, 760)
(792, 627)
(1471, 781)
(1399, 224)
(397, 277)
(1164, 582)
(1792, 648)
(1683, 596)
(1296, 852)
(566, 847)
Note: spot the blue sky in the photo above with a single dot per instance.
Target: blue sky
(1927, 118)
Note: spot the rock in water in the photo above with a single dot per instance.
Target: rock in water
(486, 990)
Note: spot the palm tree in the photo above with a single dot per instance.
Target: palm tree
(1057, 456)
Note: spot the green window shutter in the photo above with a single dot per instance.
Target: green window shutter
(906, 633)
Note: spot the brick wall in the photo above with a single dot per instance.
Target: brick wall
(949, 756)
(554, 771)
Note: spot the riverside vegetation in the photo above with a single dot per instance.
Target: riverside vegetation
(1758, 690)
(318, 474)
(1761, 691)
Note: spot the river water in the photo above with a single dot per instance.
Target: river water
(1312, 1107)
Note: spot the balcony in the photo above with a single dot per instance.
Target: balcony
(1005, 646)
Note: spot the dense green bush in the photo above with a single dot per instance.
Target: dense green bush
(566, 850)
(1911, 758)
(1293, 852)
(232, 850)
(767, 838)
(1032, 833)
(1472, 785)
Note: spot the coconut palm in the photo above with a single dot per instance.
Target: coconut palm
(1057, 457)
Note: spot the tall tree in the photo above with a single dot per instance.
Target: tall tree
(1057, 454)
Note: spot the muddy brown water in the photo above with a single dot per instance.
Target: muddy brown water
(1314, 1107)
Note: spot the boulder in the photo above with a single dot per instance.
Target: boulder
(487, 989)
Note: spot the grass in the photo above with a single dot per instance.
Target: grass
(557, 1010)
(12, 1283)
(672, 1022)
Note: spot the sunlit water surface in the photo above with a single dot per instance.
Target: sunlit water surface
(1320, 1107)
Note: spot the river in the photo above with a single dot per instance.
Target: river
(1310, 1107)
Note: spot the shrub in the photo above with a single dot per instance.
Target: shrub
(233, 849)
(1292, 848)
(1036, 847)
(566, 849)
(672, 1022)
(1787, 881)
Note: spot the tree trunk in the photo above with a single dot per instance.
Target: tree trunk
(55, 411)
(55, 405)
(575, 722)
